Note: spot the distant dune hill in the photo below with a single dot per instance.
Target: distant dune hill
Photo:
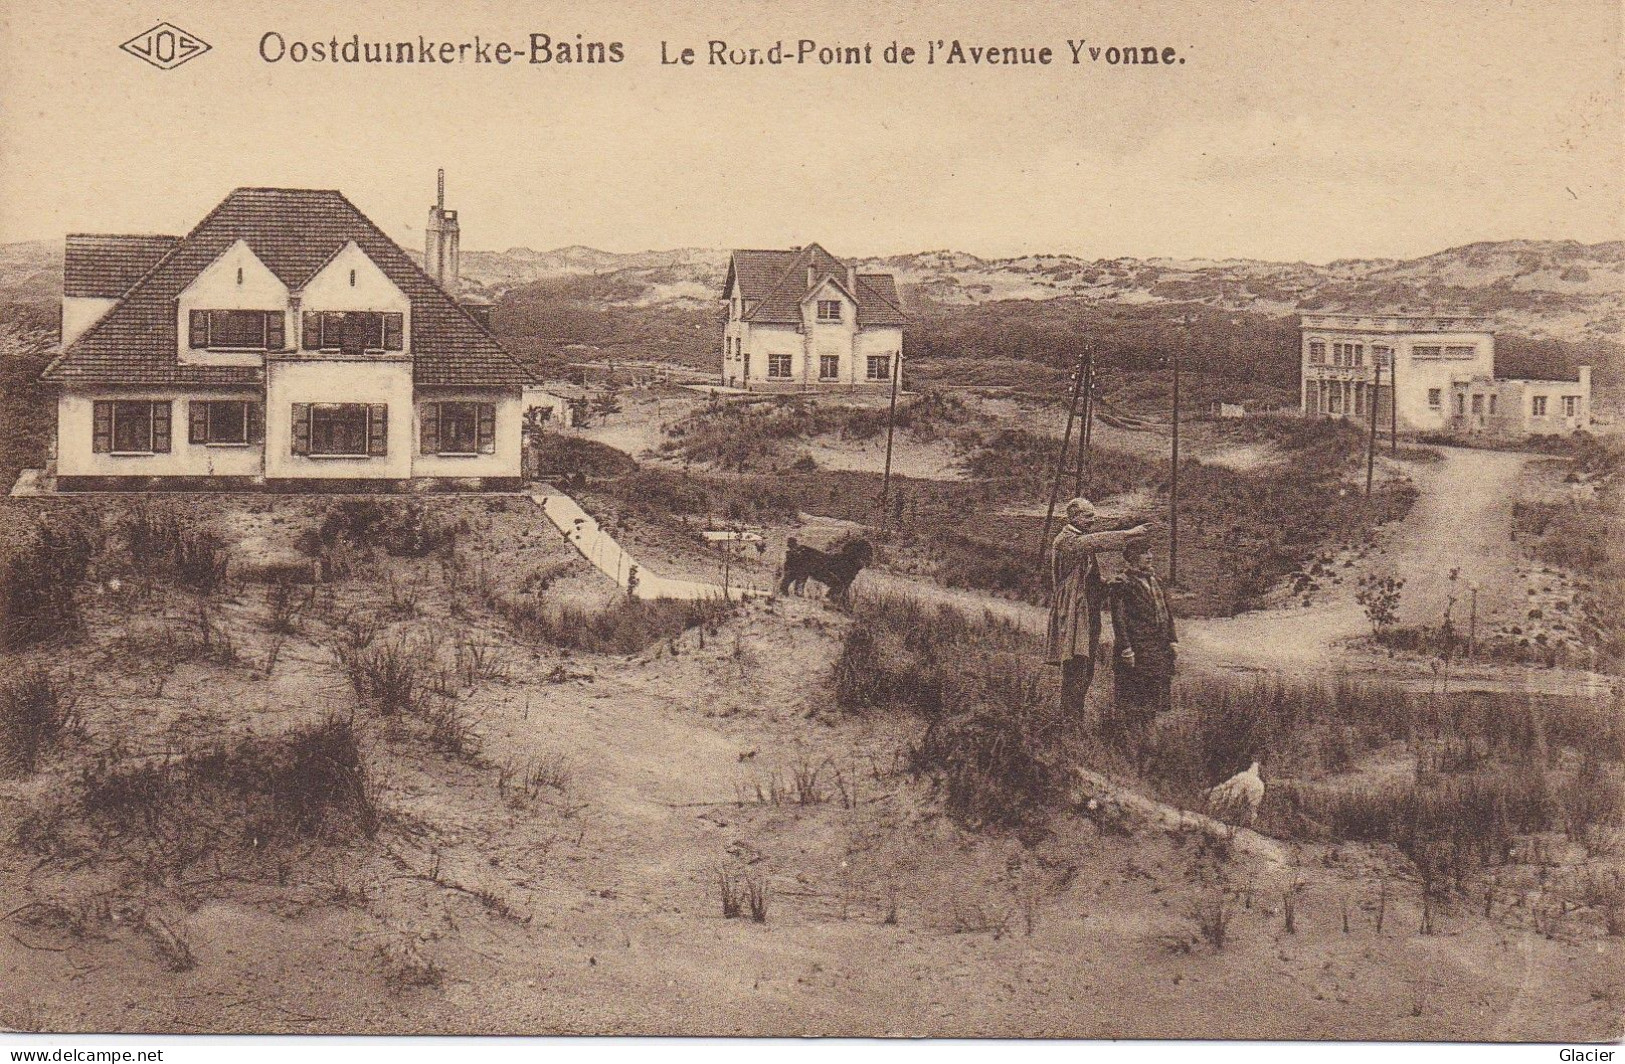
(1561, 290)
(1546, 289)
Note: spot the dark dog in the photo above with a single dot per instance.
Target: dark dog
(835, 571)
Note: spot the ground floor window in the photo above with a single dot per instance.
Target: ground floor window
(879, 367)
(222, 421)
(130, 427)
(340, 430)
(1537, 406)
(459, 428)
(1435, 398)
(829, 367)
(778, 365)
(1571, 406)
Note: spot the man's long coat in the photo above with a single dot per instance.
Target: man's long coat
(1079, 595)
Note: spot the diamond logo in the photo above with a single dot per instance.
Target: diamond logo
(165, 46)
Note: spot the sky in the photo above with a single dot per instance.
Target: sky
(1293, 130)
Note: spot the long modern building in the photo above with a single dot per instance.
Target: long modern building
(1435, 371)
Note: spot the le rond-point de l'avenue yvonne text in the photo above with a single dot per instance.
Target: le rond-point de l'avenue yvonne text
(539, 49)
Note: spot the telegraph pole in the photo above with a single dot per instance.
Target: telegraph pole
(1060, 457)
(1088, 419)
(891, 419)
(1371, 444)
(1173, 487)
(1393, 403)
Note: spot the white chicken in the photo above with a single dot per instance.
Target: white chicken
(1236, 800)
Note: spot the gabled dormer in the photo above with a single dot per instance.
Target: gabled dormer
(232, 313)
(828, 303)
(350, 307)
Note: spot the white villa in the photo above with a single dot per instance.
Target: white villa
(803, 320)
(285, 342)
(1436, 371)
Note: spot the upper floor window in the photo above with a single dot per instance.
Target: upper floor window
(1435, 398)
(353, 331)
(1426, 351)
(247, 330)
(1382, 356)
(829, 310)
(1460, 351)
(1317, 351)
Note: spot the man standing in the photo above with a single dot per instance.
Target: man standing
(1145, 645)
(1079, 597)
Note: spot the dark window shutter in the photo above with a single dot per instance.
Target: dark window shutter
(160, 428)
(197, 421)
(300, 437)
(377, 430)
(429, 435)
(332, 329)
(275, 330)
(101, 426)
(488, 428)
(198, 329)
(256, 423)
(312, 340)
(394, 325)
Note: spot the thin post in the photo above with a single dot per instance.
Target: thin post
(1088, 420)
(1060, 458)
(1393, 405)
(1173, 488)
(1371, 444)
(891, 420)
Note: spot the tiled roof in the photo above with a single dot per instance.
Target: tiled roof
(105, 265)
(774, 283)
(294, 232)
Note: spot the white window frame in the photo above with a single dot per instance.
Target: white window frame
(152, 434)
(869, 369)
(821, 314)
(774, 362)
(826, 360)
(1436, 398)
(208, 423)
(1571, 406)
(1537, 406)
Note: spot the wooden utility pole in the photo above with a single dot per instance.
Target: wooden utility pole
(1086, 432)
(1173, 486)
(1371, 444)
(1060, 457)
(891, 420)
(1393, 404)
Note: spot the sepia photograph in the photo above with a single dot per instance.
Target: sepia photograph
(890, 520)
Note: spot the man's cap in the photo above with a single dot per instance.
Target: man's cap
(1079, 505)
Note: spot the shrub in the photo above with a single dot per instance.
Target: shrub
(403, 529)
(36, 710)
(38, 583)
(165, 543)
(625, 626)
(390, 675)
(310, 782)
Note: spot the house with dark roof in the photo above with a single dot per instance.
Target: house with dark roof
(803, 320)
(285, 342)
